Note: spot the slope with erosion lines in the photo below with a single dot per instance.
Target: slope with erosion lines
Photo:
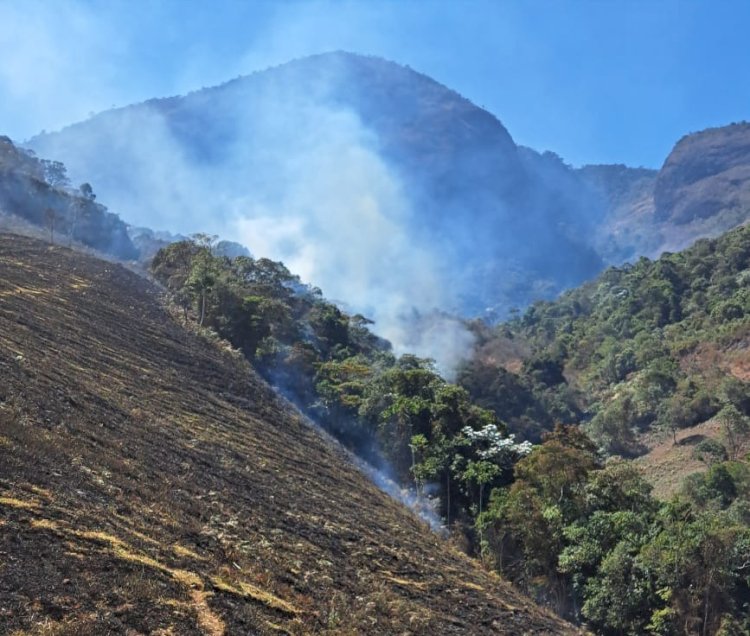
(151, 483)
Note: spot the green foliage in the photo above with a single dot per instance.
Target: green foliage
(589, 539)
(710, 452)
(336, 370)
(622, 352)
(634, 351)
(580, 532)
(735, 429)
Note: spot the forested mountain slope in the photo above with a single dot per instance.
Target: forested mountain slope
(38, 192)
(652, 357)
(150, 482)
(657, 344)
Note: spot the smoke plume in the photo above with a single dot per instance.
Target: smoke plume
(299, 178)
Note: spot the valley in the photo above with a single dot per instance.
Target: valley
(549, 364)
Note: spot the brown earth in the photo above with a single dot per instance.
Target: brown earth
(669, 461)
(151, 483)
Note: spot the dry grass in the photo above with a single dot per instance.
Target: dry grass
(247, 590)
(18, 503)
(667, 464)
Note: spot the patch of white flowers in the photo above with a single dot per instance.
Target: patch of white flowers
(496, 443)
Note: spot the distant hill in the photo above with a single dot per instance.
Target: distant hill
(36, 191)
(150, 482)
(701, 191)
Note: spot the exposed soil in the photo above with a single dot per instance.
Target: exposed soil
(670, 461)
(151, 483)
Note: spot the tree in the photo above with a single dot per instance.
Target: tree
(734, 429)
(55, 173)
(710, 452)
(50, 217)
(619, 486)
(87, 192)
(590, 540)
(481, 472)
(340, 386)
(558, 472)
(202, 279)
(620, 597)
(696, 560)
(77, 208)
(434, 459)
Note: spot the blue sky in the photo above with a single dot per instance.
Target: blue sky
(596, 82)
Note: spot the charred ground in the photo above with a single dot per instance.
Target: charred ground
(150, 482)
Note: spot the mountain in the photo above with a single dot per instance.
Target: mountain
(701, 191)
(337, 148)
(393, 193)
(706, 177)
(150, 482)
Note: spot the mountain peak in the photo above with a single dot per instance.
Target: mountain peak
(301, 153)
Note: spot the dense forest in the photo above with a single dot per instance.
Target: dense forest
(568, 519)
(396, 412)
(635, 350)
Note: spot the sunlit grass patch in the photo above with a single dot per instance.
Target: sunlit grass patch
(280, 628)
(185, 552)
(18, 503)
(405, 582)
(102, 537)
(43, 492)
(247, 590)
(472, 586)
(126, 555)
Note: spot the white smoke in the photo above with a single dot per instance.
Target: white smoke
(303, 181)
(342, 222)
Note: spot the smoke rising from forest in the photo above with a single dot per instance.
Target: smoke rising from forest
(397, 197)
(299, 179)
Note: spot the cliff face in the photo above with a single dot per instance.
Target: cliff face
(706, 175)
(702, 190)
